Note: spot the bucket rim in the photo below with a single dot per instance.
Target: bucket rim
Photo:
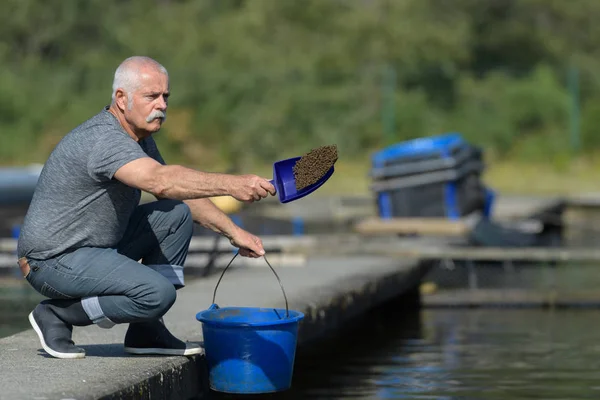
(294, 317)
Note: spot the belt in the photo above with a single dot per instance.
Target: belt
(24, 265)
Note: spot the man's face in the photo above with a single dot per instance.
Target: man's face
(146, 109)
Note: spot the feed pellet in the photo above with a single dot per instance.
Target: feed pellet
(313, 165)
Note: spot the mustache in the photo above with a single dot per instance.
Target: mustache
(156, 114)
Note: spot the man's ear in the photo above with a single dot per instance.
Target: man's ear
(121, 99)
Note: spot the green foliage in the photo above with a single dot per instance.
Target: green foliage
(258, 80)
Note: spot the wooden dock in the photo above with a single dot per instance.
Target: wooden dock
(416, 238)
(528, 214)
(512, 298)
(294, 250)
(206, 244)
(531, 254)
(206, 253)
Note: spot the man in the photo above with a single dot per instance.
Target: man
(99, 256)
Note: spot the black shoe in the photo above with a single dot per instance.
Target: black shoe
(154, 338)
(54, 332)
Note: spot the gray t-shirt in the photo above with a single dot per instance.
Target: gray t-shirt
(77, 203)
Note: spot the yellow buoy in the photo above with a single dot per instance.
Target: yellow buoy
(227, 204)
(428, 288)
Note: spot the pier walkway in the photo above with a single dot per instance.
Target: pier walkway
(329, 290)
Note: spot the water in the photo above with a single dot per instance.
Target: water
(457, 354)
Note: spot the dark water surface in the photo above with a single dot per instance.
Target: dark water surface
(455, 354)
(460, 354)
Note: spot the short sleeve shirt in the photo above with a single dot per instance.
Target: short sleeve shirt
(77, 202)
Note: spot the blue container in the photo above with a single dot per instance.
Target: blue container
(427, 177)
(250, 350)
(15, 231)
(440, 146)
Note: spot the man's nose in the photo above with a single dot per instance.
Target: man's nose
(162, 103)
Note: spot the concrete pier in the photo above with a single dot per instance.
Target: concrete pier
(332, 279)
(330, 290)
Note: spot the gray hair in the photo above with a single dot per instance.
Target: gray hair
(127, 75)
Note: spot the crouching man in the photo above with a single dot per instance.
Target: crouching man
(97, 254)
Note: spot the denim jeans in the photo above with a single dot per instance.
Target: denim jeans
(134, 282)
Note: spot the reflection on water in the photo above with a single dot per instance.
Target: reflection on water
(457, 354)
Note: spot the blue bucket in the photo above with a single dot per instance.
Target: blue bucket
(249, 350)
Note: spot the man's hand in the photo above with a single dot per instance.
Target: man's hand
(250, 188)
(249, 245)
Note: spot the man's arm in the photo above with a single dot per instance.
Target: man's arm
(181, 183)
(207, 214)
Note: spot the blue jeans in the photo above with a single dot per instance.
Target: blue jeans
(112, 285)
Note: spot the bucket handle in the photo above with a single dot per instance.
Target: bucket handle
(287, 312)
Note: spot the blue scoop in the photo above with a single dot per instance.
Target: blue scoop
(285, 183)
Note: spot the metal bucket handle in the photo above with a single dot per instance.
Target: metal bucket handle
(287, 312)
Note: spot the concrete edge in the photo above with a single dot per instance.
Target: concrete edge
(185, 379)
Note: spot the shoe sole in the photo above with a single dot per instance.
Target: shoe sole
(47, 349)
(163, 352)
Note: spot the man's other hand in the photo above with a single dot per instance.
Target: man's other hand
(249, 244)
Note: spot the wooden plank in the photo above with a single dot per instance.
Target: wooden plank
(200, 244)
(421, 226)
(511, 298)
(8, 245)
(270, 243)
(584, 201)
(509, 208)
(537, 254)
(506, 209)
(8, 264)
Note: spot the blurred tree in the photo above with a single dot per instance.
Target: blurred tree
(264, 79)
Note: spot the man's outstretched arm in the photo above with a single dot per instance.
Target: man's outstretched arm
(193, 187)
(182, 183)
